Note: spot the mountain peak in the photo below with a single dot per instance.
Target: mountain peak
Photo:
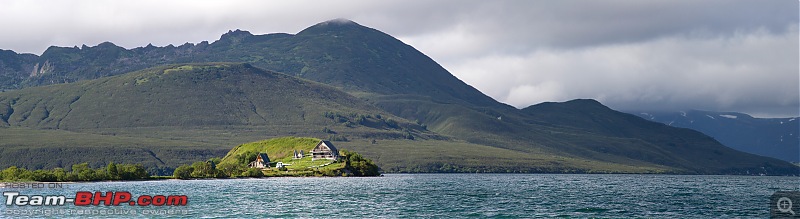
(339, 21)
(106, 44)
(584, 104)
(332, 26)
(235, 35)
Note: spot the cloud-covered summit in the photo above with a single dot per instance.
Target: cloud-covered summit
(631, 55)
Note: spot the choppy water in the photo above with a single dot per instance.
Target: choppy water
(440, 196)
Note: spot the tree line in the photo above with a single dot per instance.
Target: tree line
(79, 172)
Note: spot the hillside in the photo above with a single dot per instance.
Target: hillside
(276, 148)
(215, 94)
(377, 88)
(177, 114)
(207, 106)
(771, 137)
(654, 142)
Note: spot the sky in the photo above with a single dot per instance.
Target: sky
(655, 55)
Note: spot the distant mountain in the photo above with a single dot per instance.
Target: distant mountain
(370, 74)
(772, 137)
(207, 94)
(186, 102)
(14, 68)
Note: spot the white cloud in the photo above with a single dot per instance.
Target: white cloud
(750, 68)
(732, 55)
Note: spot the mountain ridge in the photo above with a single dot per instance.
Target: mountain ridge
(772, 137)
(395, 78)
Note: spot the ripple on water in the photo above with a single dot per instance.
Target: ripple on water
(464, 195)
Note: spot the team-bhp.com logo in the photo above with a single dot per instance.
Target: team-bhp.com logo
(84, 198)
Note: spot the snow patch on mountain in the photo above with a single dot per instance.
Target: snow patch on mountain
(728, 116)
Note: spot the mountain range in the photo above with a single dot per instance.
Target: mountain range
(362, 88)
(772, 137)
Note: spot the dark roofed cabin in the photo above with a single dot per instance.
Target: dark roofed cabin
(324, 150)
(298, 155)
(261, 162)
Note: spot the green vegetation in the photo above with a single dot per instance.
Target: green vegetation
(234, 164)
(35, 149)
(360, 87)
(79, 172)
(357, 165)
(426, 156)
(278, 149)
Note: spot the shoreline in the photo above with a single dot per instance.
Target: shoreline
(4, 184)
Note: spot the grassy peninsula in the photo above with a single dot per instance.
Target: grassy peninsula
(233, 165)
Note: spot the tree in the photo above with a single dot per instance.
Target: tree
(359, 165)
(183, 172)
(83, 172)
(247, 157)
(112, 172)
(60, 174)
(13, 173)
(231, 169)
(203, 170)
(43, 176)
(132, 171)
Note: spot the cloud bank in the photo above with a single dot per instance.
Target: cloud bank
(631, 55)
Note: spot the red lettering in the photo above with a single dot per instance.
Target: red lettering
(177, 200)
(144, 200)
(159, 200)
(83, 198)
(121, 197)
(98, 197)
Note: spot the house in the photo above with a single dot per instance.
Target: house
(261, 162)
(298, 155)
(324, 150)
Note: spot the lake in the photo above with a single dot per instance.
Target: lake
(433, 196)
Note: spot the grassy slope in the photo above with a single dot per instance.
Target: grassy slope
(37, 149)
(178, 95)
(212, 106)
(276, 148)
(454, 156)
(108, 108)
(439, 156)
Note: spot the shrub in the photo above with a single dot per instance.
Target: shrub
(183, 172)
(253, 172)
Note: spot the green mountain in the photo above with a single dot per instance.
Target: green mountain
(655, 142)
(208, 107)
(14, 68)
(368, 73)
(180, 95)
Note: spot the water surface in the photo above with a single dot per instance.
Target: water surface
(442, 196)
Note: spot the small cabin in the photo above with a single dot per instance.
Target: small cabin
(324, 150)
(261, 162)
(298, 155)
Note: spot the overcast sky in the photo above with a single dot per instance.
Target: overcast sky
(630, 55)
